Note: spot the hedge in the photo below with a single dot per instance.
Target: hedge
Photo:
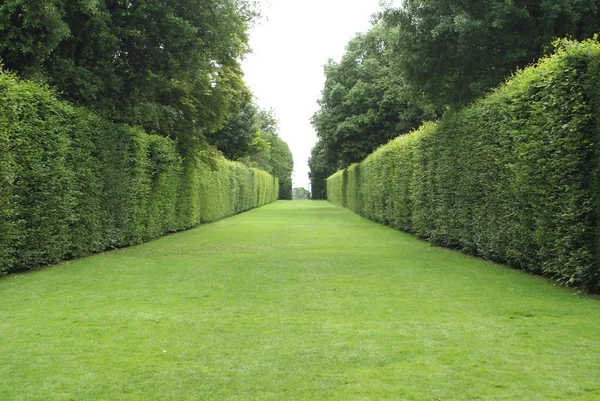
(512, 178)
(72, 184)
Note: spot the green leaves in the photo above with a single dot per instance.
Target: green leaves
(171, 67)
(455, 51)
(251, 136)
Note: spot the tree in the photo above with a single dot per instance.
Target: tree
(365, 103)
(237, 138)
(300, 193)
(277, 159)
(321, 164)
(170, 66)
(282, 164)
(251, 136)
(453, 51)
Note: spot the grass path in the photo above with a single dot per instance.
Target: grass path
(293, 301)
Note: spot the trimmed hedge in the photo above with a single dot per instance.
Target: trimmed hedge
(512, 178)
(72, 184)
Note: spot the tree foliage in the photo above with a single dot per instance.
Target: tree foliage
(276, 157)
(365, 102)
(300, 193)
(238, 136)
(252, 137)
(170, 66)
(454, 51)
(321, 165)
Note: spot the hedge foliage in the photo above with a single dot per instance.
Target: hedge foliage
(72, 184)
(512, 178)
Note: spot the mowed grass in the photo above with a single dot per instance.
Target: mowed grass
(297, 300)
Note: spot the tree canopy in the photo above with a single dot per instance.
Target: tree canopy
(252, 137)
(455, 51)
(300, 193)
(271, 153)
(170, 66)
(365, 102)
(321, 165)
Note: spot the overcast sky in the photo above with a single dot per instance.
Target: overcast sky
(291, 44)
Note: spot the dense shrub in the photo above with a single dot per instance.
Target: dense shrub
(72, 184)
(512, 178)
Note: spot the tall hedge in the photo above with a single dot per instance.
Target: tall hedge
(512, 178)
(72, 184)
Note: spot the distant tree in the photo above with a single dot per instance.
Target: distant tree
(365, 102)
(321, 164)
(252, 137)
(300, 193)
(282, 164)
(453, 51)
(278, 158)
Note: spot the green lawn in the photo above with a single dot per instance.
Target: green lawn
(297, 300)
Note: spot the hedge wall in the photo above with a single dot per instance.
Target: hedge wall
(72, 184)
(512, 178)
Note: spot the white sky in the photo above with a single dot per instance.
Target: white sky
(285, 72)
